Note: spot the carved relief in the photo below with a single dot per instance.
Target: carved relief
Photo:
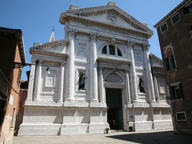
(112, 17)
(113, 78)
(82, 50)
(138, 57)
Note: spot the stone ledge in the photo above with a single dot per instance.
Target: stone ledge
(43, 104)
(160, 105)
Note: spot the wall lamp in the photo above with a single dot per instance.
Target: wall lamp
(21, 65)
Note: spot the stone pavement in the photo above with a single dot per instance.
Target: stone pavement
(157, 137)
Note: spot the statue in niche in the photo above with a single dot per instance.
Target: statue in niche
(82, 81)
(141, 85)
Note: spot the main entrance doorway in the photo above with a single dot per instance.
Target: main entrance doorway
(114, 112)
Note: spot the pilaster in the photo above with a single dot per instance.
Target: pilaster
(70, 65)
(132, 72)
(156, 87)
(93, 69)
(147, 65)
(61, 85)
(31, 80)
(38, 83)
(127, 91)
(101, 87)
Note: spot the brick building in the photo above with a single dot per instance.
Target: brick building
(11, 50)
(175, 36)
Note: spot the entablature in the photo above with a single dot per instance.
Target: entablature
(107, 32)
(89, 23)
(114, 60)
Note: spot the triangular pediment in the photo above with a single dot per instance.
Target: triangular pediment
(108, 15)
(51, 48)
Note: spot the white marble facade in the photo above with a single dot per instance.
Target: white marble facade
(110, 49)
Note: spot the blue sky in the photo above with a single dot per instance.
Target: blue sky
(36, 18)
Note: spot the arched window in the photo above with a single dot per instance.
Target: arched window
(111, 50)
(119, 52)
(170, 59)
(104, 50)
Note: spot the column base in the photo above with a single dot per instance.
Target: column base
(95, 103)
(136, 101)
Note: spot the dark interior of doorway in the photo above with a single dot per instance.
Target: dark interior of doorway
(114, 112)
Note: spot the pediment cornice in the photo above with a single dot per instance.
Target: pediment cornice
(48, 53)
(111, 26)
(50, 44)
(85, 12)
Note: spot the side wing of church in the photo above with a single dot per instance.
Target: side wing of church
(101, 76)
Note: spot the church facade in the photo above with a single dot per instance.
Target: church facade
(101, 76)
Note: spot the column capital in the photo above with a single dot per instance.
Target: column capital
(93, 36)
(33, 60)
(40, 61)
(129, 42)
(72, 32)
(62, 64)
(146, 47)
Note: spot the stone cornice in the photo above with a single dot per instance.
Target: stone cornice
(82, 13)
(36, 51)
(172, 13)
(50, 44)
(156, 58)
(113, 60)
(157, 68)
(15, 33)
(111, 26)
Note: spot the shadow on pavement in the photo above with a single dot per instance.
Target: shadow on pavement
(167, 137)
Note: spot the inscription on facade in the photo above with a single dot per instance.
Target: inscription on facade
(50, 80)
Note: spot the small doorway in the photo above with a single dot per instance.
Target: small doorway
(114, 112)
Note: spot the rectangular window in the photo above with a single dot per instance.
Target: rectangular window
(164, 27)
(175, 19)
(181, 116)
(176, 92)
(170, 63)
